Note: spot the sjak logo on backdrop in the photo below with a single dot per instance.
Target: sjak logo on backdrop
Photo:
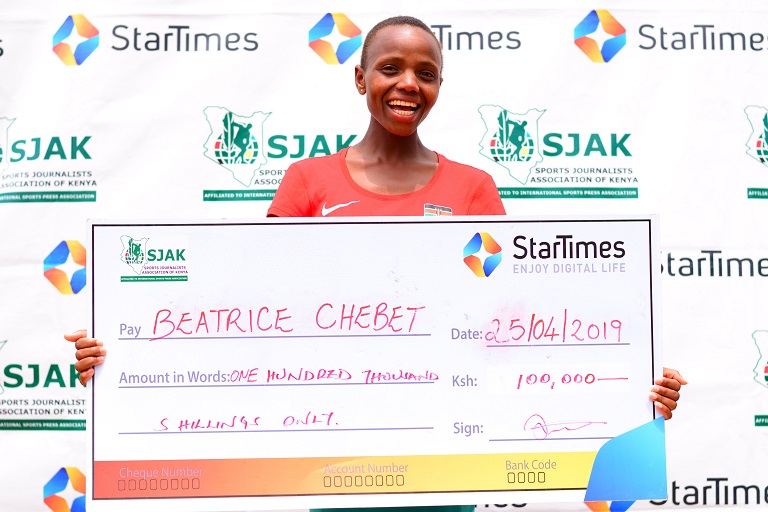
(239, 144)
(513, 142)
(167, 264)
(40, 409)
(600, 25)
(236, 142)
(321, 35)
(756, 145)
(761, 368)
(17, 375)
(65, 491)
(36, 148)
(760, 372)
(20, 184)
(65, 267)
(75, 27)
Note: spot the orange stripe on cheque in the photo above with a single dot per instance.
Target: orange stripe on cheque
(341, 475)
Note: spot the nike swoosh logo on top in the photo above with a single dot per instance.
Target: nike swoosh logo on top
(326, 211)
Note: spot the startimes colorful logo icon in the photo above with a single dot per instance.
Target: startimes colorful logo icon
(345, 28)
(482, 264)
(614, 34)
(59, 483)
(84, 49)
(71, 253)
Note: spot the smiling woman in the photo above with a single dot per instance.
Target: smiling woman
(390, 171)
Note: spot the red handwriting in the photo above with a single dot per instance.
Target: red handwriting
(249, 375)
(373, 376)
(220, 320)
(367, 316)
(241, 423)
(541, 429)
(553, 328)
(323, 419)
(549, 381)
(305, 375)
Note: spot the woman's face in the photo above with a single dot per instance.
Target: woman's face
(402, 79)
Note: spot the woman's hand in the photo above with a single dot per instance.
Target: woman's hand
(666, 392)
(90, 352)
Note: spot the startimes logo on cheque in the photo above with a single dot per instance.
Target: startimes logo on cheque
(566, 254)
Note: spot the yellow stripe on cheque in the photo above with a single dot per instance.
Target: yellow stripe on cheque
(447, 473)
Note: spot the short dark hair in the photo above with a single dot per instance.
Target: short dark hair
(396, 21)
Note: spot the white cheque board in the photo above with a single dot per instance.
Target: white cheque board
(374, 362)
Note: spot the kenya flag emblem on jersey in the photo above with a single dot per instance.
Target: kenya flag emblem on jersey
(431, 210)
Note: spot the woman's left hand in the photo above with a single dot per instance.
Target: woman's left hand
(666, 392)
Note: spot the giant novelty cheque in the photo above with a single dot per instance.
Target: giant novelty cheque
(297, 364)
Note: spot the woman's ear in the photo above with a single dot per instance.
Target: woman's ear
(360, 79)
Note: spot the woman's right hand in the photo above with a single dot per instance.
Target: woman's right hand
(89, 353)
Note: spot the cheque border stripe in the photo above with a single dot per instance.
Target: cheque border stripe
(650, 297)
(327, 222)
(92, 283)
(315, 476)
(446, 469)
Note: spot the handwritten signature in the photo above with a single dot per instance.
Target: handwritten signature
(541, 429)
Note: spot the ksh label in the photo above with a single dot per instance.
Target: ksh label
(525, 165)
(167, 264)
(30, 168)
(255, 158)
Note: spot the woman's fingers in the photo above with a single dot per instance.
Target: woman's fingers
(89, 353)
(666, 392)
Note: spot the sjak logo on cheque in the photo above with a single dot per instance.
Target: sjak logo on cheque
(512, 141)
(136, 255)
